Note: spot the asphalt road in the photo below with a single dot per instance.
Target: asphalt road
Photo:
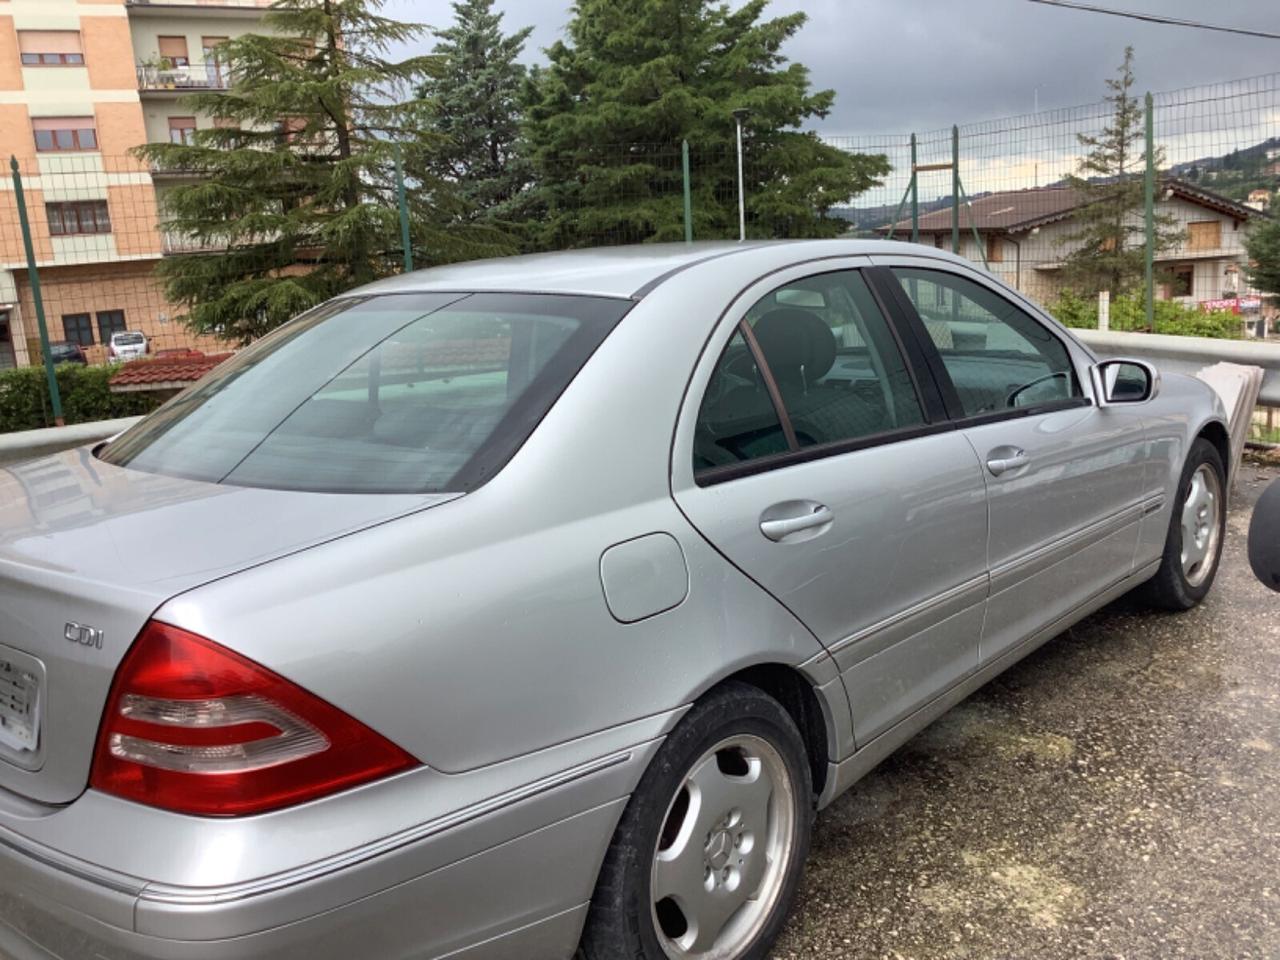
(1115, 795)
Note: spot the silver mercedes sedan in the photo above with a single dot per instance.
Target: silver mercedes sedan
(514, 608)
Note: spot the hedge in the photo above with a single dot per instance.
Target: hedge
(1128, 313)
(24, 397)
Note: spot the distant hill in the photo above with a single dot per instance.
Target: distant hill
(866, 219)
(1249, 158)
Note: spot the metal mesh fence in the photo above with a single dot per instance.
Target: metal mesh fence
(98, 231)
(1217, 169)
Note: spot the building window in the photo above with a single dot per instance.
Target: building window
(50, 48)
(78, 328)
(182, 130)
(1183, 284)
(109, 322)
(54, 134)
(1204, 235)
(995, 250)
(72, 219)
(174, 49)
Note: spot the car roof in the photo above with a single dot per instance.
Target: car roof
(628, 271)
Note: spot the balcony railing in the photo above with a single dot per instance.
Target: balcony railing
(192, 76)
(176, 243)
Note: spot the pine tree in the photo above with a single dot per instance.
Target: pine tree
(1263, 247)
(294, 187)
(607, 116)
(1109, 239)
(476, 109)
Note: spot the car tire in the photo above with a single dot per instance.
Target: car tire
(1198, 524)
(701, 825)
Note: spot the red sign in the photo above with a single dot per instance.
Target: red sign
(1234, 304)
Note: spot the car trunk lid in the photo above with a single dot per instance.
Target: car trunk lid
(87, 552)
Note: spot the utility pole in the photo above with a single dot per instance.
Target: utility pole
(740, 117)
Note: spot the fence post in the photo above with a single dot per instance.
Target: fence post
(915, 195)
(955, 189)
(688, 194)
(403, 202)
(55, 398)
(1104, 310)
(1149, 212)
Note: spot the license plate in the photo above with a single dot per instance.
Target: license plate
(19, 708)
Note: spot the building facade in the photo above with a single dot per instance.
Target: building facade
(1025, 235)
(83, 83)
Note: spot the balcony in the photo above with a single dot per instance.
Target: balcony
(175, 244)
(186, 78)
(198, 8)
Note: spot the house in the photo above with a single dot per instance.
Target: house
(81, 85)
(1024, 237)
(1259, 199)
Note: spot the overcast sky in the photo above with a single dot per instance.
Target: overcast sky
(901, 65)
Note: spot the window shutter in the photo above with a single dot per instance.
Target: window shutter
(49, 41)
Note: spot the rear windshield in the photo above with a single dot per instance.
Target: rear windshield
(414, 393)
(126, 338)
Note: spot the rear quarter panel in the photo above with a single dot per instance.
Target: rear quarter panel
(481, 632)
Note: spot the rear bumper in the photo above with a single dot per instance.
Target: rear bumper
(490, 887)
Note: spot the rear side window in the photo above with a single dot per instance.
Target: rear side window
(998, 357)
(391, 394)
(836, 366)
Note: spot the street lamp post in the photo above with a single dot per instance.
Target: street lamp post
(740, 117)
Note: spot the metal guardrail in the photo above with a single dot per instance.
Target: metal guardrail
(1189, 354)
(29, 444)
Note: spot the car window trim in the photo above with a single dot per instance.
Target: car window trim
(938, 366)
(711, 476)
(908, 330)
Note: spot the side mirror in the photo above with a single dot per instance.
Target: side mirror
(1264, 537)
(1124, 381)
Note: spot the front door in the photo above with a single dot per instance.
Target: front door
(7, 360)
(1064, 478)
(814, 453)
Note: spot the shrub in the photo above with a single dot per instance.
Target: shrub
(1129, 314)
(24, 397)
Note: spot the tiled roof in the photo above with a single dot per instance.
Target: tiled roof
(165, 373)
(1010, 211)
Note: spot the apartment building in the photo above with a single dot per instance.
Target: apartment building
(82, 83)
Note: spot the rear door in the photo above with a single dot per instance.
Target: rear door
(813, 451)
(1064, 478)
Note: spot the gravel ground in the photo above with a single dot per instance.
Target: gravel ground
(1115, 795)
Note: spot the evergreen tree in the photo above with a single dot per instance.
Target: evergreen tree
(1109, 239)
(476, 108)
(606, 118)
(1263, 247)
(295, 186)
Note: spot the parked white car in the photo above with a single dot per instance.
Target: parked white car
(127, 345)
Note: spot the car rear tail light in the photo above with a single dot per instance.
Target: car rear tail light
(192, 727)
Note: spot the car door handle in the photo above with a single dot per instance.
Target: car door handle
(787, 519)
(1003, 459)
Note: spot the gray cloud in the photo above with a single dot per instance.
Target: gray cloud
(901, 65)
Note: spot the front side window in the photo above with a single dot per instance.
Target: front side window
(65, 134)
(412, 393)
(998, 357)
(83, 217)
(111, 322)
(834, 362)
(182, 130)
(78, 328)
(50, 48)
